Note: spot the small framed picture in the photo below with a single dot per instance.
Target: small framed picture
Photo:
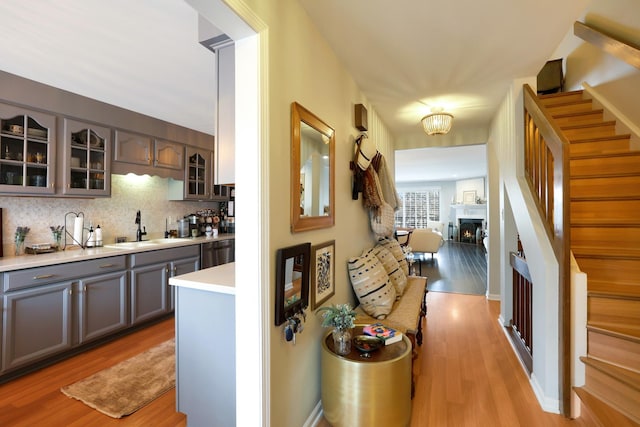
(323, 274)
(469, 197)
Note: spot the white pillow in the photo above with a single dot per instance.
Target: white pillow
(394, 247)
(371, 285)
(394, 271)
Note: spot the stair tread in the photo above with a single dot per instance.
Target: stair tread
(601, 223)
(615, 288)
(569, 103)
(580, 140)
(561, 94)
(605, 155)
(601, 252)
(629, 378)
(618, 331)
(603, 412)
(594, 112)
(588, 125)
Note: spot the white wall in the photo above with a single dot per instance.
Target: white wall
(618, 81)
(302, 68)
(516, 203)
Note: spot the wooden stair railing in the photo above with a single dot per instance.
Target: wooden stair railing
(604, 228)
(521, 324)
(546, 165)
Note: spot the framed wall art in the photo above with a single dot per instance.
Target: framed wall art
(323, 273)
(469, 197)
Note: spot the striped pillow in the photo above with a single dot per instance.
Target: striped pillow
(394, 271)
(371, 285)
(394, 247)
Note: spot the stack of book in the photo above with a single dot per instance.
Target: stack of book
(388, 334)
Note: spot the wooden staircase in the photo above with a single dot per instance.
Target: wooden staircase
(605, 240)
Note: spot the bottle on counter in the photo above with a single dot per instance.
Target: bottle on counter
(91, 240)
(98, 235)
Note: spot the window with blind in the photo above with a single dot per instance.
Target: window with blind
(418, 207)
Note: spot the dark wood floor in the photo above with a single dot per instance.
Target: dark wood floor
(459, 268)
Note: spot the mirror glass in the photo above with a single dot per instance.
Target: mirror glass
(292, 281)
(312, 171)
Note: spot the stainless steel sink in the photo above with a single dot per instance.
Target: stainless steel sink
(132, 245)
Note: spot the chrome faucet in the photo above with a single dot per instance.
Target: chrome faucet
(139, 232)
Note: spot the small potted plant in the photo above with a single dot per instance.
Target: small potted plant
(57, 235)
(21, 233)
(342, 318)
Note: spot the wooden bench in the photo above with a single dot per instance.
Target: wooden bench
(407, 313)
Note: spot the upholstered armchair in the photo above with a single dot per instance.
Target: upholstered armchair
(426, 240)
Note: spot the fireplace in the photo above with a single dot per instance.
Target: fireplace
(470, 230)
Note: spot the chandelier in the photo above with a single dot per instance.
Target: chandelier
(437, 123)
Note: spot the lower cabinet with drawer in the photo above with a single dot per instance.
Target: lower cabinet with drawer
(48, 310)
(151, 295)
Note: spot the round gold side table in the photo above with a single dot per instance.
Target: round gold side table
(367, 392)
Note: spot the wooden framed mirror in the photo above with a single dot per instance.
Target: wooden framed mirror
(292, 281)
(312, 171)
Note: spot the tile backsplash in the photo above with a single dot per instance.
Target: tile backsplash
(115, 215)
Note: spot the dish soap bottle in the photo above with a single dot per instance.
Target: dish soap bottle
(91, 240)
(98, 235)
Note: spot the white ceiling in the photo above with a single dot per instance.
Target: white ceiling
(441, 163)
(406, 56)
(142, 55)
(410, 55)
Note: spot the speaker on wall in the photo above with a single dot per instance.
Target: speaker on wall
(360, 117)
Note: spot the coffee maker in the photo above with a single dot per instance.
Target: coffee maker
(194, 225)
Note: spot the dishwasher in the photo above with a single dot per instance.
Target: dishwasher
(217, 253)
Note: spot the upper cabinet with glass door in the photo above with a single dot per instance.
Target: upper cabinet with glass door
(86, 159)
(198, 173)
(27, 151)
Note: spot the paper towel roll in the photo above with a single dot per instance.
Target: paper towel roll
(77, 230)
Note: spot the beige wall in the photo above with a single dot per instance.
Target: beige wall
(302, 68)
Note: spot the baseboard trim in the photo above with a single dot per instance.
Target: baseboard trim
(547, 404)
(315, 416)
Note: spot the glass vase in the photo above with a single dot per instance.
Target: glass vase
(19, 247)
(341, 341)
(57, 237)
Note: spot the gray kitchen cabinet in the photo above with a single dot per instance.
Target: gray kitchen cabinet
(132, 148)
(168, 155)
(27, 151)
(49, 310)
(149, 292)
(103, 305)
(179, 267)
(37, 323)
(196, 183)
(150, 272)
(142, 154)
(86, 159)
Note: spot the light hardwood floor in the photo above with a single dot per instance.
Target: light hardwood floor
(35, 400)
(467, 376)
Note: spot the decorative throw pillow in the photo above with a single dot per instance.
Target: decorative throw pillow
(371, 285)
(396, 275)
(394, 247)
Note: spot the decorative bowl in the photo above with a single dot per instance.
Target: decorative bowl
(367, 343)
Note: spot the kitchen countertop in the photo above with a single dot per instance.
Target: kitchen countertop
(220, 279)
(75, 254)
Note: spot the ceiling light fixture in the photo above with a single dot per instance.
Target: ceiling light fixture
(437, 123)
